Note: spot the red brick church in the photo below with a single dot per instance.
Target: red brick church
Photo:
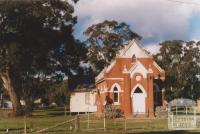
(133, 81)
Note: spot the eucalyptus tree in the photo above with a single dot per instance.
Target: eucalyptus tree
(105, 39)
(35, 41)
(181, 62)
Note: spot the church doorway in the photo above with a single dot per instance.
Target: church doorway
(138, 101)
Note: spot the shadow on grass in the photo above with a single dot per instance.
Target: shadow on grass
(49, 112)
(48, 115)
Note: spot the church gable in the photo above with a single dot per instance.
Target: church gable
(127, 57)
(138, 68)
(134, 48)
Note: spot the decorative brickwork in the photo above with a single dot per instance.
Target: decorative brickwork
(132, 81)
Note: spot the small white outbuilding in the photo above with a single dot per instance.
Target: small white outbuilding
(83, 101)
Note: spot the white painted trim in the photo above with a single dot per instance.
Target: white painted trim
(111, 65)
(134, 47)
(158, 67)
(141, 69)
(99, 81)
(116, 103)
(141, 87)
(114, 78)
(118, 92)
(117, 85)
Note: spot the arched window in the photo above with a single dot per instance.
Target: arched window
(116, 95)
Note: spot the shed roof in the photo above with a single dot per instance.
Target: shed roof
(182, 102)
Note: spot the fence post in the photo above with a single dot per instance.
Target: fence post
(125, 124)
(77, 123)
(88, 125)
(25, 125)
(104, 122)
(65, 111)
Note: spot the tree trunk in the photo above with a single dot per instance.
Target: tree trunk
(8, 85)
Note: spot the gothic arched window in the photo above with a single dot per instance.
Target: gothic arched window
(116, 95)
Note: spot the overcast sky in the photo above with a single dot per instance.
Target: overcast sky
(154, 20)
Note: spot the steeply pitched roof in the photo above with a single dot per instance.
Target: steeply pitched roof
(134, 48)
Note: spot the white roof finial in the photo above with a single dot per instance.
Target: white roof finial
(125, 70)
(150, 69)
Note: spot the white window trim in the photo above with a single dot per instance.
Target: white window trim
(119, 90)
(116, 85)
(116, 103)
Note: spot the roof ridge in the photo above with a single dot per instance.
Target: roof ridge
(128, 46)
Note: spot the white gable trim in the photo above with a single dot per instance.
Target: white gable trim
(114, 78)
(100, 76)
(158, 67)
(139, 68)
(134, 48)
(111, 66)
(141, 87)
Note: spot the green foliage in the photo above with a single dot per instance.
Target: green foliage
(59, 93)
(32, 32)
(32, 89)
(181, 62)
(104, 40)
(36, 40)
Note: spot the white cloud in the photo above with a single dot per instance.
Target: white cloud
(152, 48)
(153, 19)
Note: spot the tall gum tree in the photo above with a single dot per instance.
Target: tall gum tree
(104, 39)
(31, 32)
(181, 62)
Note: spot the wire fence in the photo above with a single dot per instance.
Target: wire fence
(61, 127)
(90, 122)
(87, 122)
(93, 121)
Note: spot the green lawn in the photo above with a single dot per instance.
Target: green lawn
(46, 118)
(39, 120)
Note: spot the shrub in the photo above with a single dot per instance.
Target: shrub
(113, 112)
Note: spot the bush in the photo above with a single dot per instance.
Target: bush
(113, 112)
